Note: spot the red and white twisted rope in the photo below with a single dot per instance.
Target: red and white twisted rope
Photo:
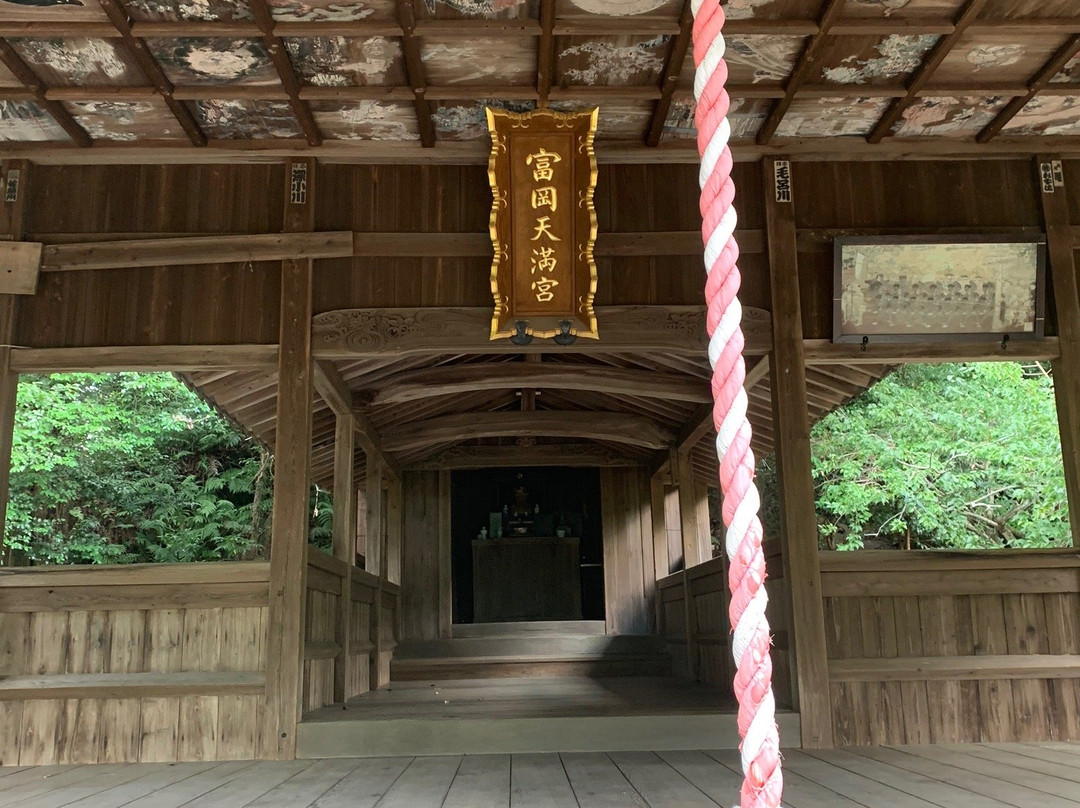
(763, 781)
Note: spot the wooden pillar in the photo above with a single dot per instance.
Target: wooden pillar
(792, 438)
(375, 562)
(12, 227)
(393, 518)
(1066, 369)
(446, 587)
(292, 466)
(344, 546)
(696, 543)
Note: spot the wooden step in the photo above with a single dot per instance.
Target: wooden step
(531, 628)
(555, 645)
(487, 667)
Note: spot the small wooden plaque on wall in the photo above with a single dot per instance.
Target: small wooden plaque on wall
(542, 170)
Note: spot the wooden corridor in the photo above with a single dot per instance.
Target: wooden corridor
(973, 776)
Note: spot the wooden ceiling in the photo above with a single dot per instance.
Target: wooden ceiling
(163, 79)
(399, 399)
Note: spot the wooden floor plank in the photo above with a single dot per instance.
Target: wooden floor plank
(21, 775)
(990, 787)
(304, 788)
(1069, 771)
(798, 791)
(933, 791)
(67, 776)
(660, 784)
(856, 787)
(150, 778)
(1034, 752)
(365, 785)
(92, 786)
(183, 791)
(539, 781)
(718, 782)
(482, 781)
(1048, 791)
(249, 784)
(598, 783)
(425, 782)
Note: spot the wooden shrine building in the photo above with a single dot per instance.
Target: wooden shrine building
(287, 202)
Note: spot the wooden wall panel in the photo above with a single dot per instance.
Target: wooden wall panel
(422, 506)
(626, 513)
(86, 661)
(953, 648)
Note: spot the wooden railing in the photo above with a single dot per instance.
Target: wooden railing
(133, 663)
(348, 641)
(953, 647)
(697, 631)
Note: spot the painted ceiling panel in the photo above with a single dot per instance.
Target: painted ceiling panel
(1029, 8)
(754, 59)
(873, 60)
(607, 61)
(829, 117)
(256, 120)
(25, 120)
(331, 10)
(1070, 74)
(214, 61)
(947, 116)
(903, 8)
(617, 120)
(477, 9)
(337, 61)
(746, 117)
(980, 58)
(458, 60)
(1047, 115)
(78, 62)
(618, 8)
(366, 120)
(126, 121)
(468, 121)
(52, 10)
(170, 10)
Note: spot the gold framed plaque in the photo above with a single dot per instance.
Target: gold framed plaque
(542, 171)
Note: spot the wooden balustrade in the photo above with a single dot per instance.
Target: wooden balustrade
(133, 663)
(934, 647)
(361, 660)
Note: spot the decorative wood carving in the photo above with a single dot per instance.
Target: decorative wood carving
(542, 171)
(398, 332)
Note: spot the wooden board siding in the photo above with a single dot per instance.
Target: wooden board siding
(708, 638)
(628, 550)
(951, 648)
(144, 663)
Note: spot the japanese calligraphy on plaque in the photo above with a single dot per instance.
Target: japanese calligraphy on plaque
(543, 172)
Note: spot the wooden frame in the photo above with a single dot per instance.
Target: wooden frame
(844, 334)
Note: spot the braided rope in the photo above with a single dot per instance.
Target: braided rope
(763, 781)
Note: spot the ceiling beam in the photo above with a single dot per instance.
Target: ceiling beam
(1039, 82)
(22, 71)
(573, 455)
(334, 390)
(804, 68)
(617, 427)
(457, 379)
(669, 80)
(825, 352)
(415, 73)
(264, 19)
(545, 52)
(140, 53)
(179, 358)
(925, 71)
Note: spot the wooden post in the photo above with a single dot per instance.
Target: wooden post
(1066, 369)
(12, 227)
(446, 587)
(344, 547)
(393, 518)
(375, 562)
(292, 462)
(661, 563)
(792, 432)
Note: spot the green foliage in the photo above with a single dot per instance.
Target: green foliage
(941, 456)
(134, 467)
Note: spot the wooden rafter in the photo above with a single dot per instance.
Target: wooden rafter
(286, 73)
(21, 70)
(804, 68)
(415, 73)
(545, 52)
(139, 51)
(669, 80)
(1045, 75)
(925, 71)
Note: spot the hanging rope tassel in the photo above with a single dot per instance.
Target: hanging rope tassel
(763, 781)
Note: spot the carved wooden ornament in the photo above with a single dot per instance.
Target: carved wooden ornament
(543, 224)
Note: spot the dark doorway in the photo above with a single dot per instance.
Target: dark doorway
(553, 510)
